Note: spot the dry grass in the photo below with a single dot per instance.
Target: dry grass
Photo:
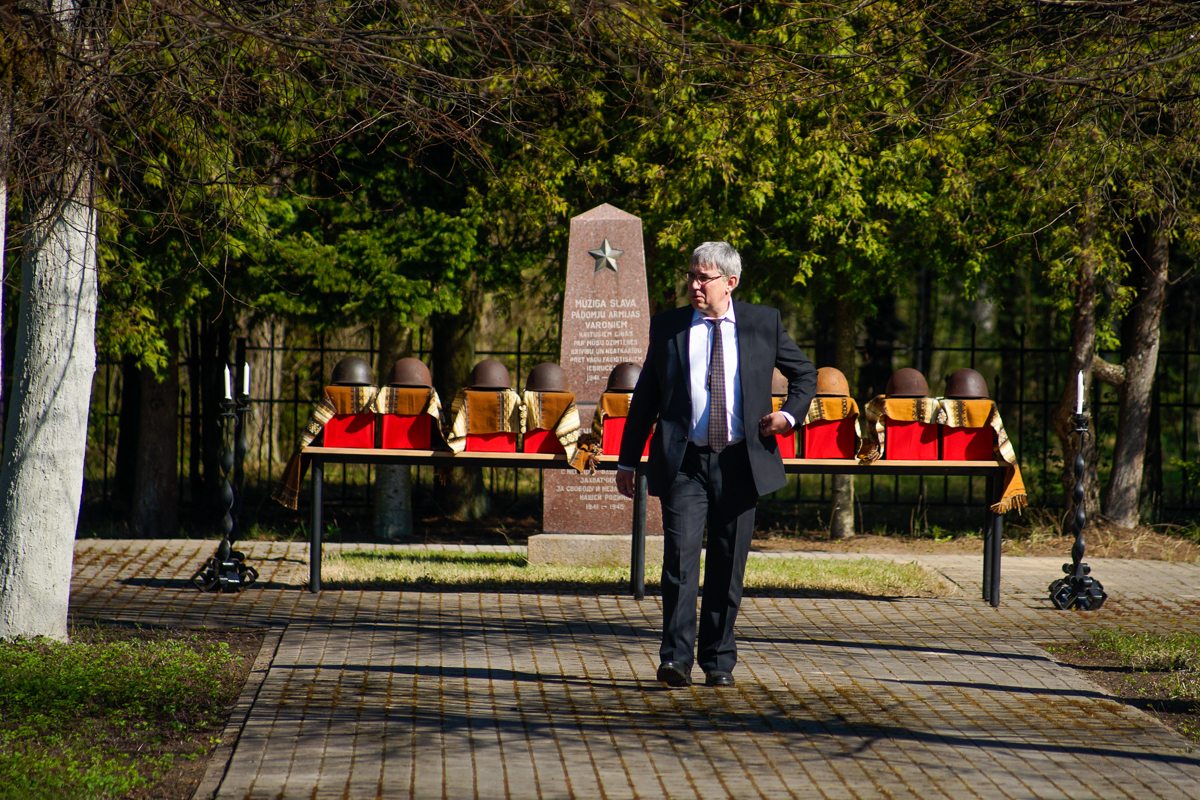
(509, 572)
(863, 577)
(1033, 533)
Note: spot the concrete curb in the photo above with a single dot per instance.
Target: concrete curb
(222, 756)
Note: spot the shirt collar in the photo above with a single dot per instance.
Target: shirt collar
(729, 315)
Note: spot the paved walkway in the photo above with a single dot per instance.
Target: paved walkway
(383, 694)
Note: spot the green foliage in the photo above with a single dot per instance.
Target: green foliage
(1190, 470)
(74, 716)
(32, 768)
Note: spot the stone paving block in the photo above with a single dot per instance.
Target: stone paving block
(480, 695)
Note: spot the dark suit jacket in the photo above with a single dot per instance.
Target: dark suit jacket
(663, 394)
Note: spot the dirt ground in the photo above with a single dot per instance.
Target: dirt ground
(1155, 692)
(1024, 535)
(1101, 542)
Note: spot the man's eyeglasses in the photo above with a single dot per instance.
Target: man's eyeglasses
(700, 279)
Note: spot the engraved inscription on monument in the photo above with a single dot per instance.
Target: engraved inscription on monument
(606, 320)
(607, 332)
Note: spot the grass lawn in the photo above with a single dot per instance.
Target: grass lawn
(423, 570)
(116, 712)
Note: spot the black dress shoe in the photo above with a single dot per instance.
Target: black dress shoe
(718, 678)
(674, 674)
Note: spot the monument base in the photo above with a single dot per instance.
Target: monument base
(589, 549)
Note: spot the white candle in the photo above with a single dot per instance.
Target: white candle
(228, 393)
(1079, 393)
(246, 379)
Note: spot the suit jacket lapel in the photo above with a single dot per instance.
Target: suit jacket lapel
(682, 338)
(744, 351)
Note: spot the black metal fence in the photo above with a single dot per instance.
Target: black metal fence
(1026, 380)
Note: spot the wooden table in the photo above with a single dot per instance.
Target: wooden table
(317, 457)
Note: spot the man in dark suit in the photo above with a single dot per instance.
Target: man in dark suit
(706, 383)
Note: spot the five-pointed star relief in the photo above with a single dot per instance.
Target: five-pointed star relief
(606, 257)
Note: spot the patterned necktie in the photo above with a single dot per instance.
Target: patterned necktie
(718, 433)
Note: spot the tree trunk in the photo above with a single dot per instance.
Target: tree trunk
(6, 107)
(155, 512)
(1082, 358)
(1152, 477)
(462, 494)
(195, 421)
(128, 427)
(41, 481)
(1151, 264)
(845, 336)
(268, 449)
(393, 484)
(1007, 382)
(923, 342)
(214, 356)
(882, 332)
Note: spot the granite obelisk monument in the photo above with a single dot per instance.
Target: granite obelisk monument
(606, 320)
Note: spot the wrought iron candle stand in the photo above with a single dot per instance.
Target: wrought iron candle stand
(227, 570)
(1079, 590)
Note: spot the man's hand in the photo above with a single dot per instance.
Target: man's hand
(774, 424)
(625, 482)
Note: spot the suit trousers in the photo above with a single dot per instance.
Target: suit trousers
(716, 490)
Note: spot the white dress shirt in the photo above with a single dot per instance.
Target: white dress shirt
(699, 353)
(700, 338)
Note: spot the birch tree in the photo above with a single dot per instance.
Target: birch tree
(41, 479)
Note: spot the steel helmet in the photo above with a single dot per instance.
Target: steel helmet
(352, 371)
(907, 382)
(547, 377)
(623, 377)
(966, 384)
(410, 372)
(489, 374)
(832, 383)
(779, 384)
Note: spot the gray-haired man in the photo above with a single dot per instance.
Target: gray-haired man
(706, 382)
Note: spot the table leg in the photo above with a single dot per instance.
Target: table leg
(996, 529)
(988, 532)
(637, 550)
(314, 546)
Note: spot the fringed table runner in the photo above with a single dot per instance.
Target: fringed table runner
(411, 401)
(482, 411)
(986, 414)
(591, 445)
(897, 409)
(553, 411)
(834, 409)
(336, 400)
(830, 409)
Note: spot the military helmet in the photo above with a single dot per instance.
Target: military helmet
(489, 374)
(352, 371)
(624, 377)
(966, 384)
(907, 382)
(547, 377)
(410, 372)
(779, 384)
(831, 382)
